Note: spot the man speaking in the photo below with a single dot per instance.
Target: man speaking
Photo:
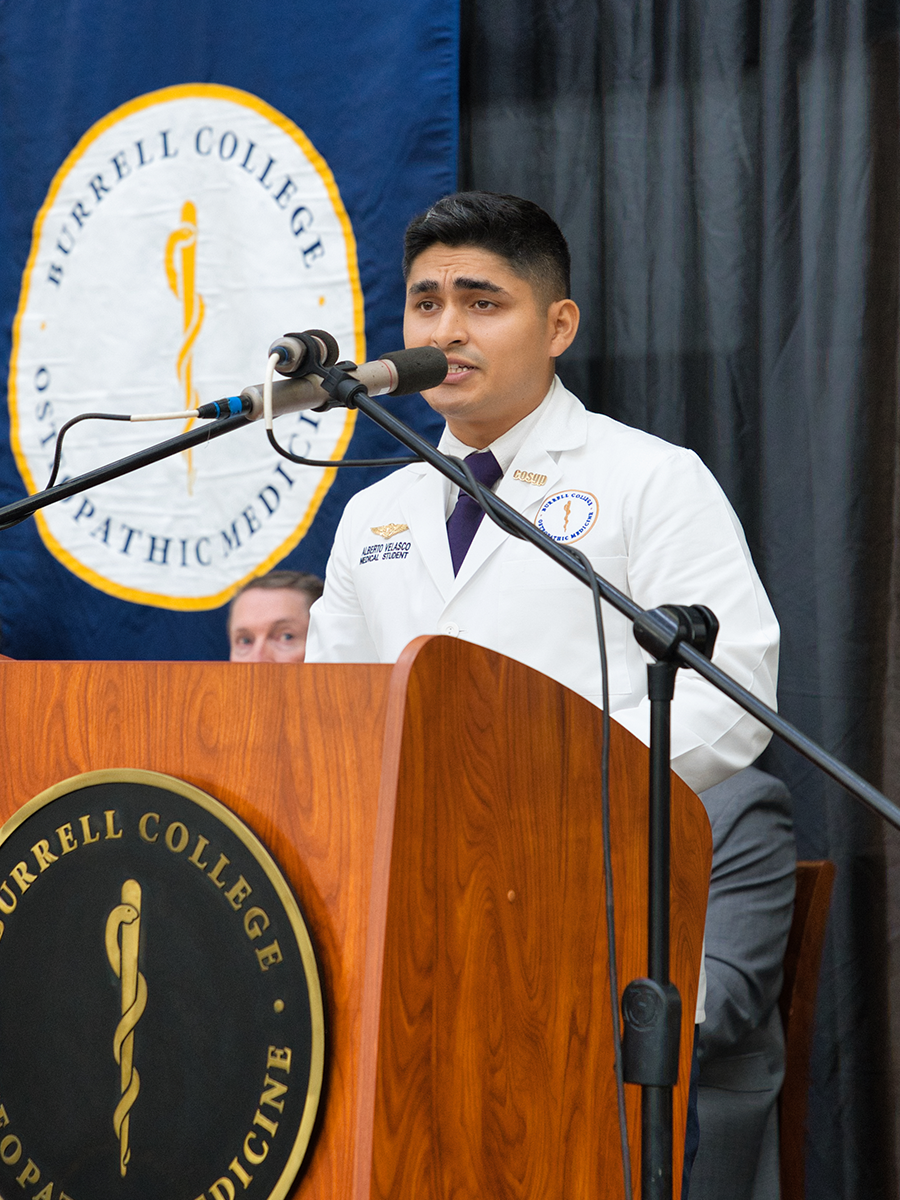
(488, 283)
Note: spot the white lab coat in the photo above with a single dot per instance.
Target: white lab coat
(660, 529)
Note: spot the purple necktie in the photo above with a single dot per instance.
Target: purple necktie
(466, 517)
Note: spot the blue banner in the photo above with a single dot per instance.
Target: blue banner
(176, 191)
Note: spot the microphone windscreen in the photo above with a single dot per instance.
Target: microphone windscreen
(418, 369)
(332, 350)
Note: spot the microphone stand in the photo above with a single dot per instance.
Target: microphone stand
(660, 627)
(676, 636)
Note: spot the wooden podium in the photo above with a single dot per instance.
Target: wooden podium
(440, 823)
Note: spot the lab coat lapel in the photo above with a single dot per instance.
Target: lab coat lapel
(563, 427)
(422, 506)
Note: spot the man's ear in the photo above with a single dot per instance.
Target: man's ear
(562, 324)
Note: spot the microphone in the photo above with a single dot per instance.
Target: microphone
(399, 373)
(293, 350)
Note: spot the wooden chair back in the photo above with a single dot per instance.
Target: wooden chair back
(802, 960)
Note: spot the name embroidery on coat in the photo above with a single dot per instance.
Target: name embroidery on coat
(381, 551)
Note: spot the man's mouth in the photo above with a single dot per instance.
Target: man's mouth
(455, 370)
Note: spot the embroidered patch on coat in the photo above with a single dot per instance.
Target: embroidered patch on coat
(567, 516)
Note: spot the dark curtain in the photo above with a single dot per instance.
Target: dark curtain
(727, 175)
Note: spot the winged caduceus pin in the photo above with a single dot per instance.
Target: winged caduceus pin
(389, 531)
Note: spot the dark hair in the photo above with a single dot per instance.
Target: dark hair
(514, 229)
(297, 581)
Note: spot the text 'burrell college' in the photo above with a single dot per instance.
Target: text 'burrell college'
(175, 837)
(207, 143)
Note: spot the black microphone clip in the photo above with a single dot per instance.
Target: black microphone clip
(340, 385)
(306, 353)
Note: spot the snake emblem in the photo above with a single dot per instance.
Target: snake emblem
(181, 272)
(123, 958)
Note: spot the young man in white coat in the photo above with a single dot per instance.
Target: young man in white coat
(488, 283)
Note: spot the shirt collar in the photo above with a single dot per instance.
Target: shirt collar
(508, 445)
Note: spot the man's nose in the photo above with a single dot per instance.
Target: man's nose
(450, 329)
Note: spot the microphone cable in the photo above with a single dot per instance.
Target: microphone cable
(182, 415)
(57, 455)
(268, 380)
(186, 414)
(607, 873)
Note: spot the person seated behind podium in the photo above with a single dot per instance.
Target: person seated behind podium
(268, 618)
(741, 1043)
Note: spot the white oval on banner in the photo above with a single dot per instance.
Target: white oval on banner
(185, 232)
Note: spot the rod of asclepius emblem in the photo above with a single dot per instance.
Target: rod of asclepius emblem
(123, 937)
(181, 272)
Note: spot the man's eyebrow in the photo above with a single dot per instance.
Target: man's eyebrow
(424, 285)
(462, 283)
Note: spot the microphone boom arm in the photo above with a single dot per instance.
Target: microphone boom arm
(658, 631)
(12, 514)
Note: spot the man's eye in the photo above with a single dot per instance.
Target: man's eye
(287, 637)
(484, 305)
(427, 306)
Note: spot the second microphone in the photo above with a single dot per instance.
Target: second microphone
(399, 373)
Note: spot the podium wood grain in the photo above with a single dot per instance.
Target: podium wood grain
(440, 824)
(486, 1065)
(295, 751)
